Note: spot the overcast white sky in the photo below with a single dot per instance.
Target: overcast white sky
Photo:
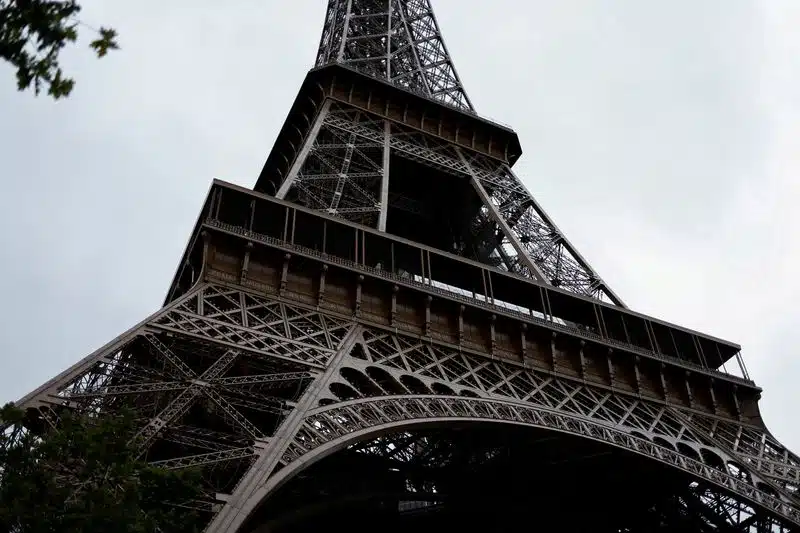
(662, 136)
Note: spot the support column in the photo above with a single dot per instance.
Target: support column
(240, 504)
(308, 143)
(522, 253)
(387, 140)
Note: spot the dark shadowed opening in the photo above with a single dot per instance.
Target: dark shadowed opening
(487, 478)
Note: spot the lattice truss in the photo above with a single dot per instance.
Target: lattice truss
(389, 379)
(209, 379)
(343, 170)
(221, 380)
(342, 173)
(529, 242)
(395, 40)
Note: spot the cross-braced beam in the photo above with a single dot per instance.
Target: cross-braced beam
(343, 170)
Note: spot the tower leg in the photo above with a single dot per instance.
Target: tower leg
(236, 508)
(341, 171)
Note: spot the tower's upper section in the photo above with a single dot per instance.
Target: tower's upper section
(394, 40)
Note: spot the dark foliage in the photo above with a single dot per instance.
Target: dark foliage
(33, 33)
(84, 478)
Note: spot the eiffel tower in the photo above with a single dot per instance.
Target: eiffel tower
(388, 331)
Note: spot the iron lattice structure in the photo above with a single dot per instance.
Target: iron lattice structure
(389, 327)
(396, 40)
(348, 172)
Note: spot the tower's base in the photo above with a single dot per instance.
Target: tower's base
(290, 337)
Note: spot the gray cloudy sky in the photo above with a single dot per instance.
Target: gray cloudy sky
(663, 137)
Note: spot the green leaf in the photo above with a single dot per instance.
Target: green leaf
(106, 41)
(32, 35)
(84, 478)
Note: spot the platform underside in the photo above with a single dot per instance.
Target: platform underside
(493, 478)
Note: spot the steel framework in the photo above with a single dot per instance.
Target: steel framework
(284, 385)
(397, 40)
(315, 355)
(344, 170)
(344, 165)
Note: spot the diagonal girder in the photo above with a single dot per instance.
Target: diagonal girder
(184, 400)
(206, 458)
(341, 172)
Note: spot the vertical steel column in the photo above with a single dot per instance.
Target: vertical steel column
(389, 39)
(387, 140)
(346, 28)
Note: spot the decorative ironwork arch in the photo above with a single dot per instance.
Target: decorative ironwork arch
(332, 428)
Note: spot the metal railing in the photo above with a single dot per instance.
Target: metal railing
(485, 302)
